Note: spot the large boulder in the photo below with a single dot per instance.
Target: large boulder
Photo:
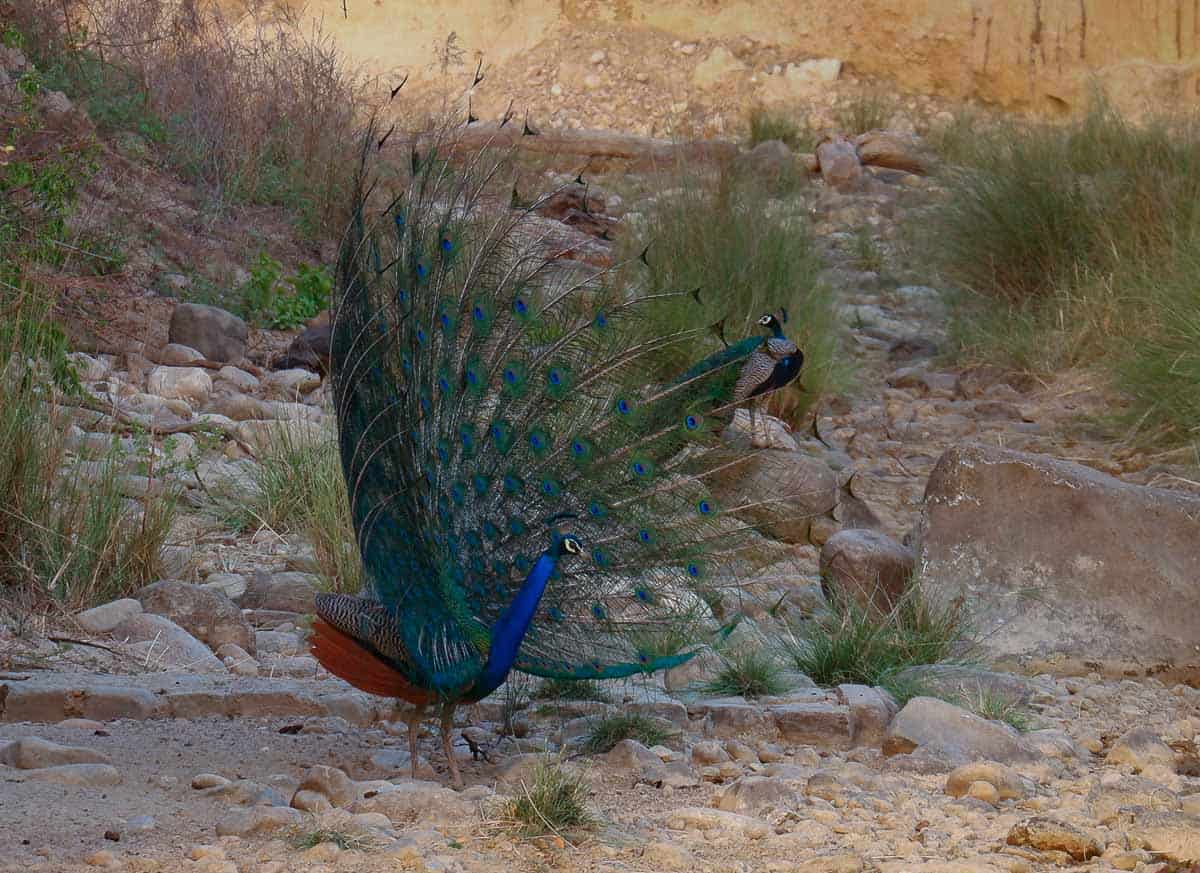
(779, 492)
(215, 333)
(1061, 561)
(205, 613)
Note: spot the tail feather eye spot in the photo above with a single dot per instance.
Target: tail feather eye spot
(705, 507)
(691, 422)
(624, 407)
(599, 614)
(447, 245)
(478, 314)
(520, 307)
(597, 510)
(645, 536)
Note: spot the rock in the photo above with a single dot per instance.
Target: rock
(727, 719)
(770, 161)
(90, 775)
(667, 856)
(292, 384)
(237, 379)
(752, 793)
(784, 491)
(247, 792)
(208, 780)
(310, 349)
(205, 613)
(263, 436)
(1107, 800)
(1054, 744)
(278, 643)
(310, 801)
(866, 566)
(190, 384)
(101, 858)
(330, 782)
(814, 71)
(176, 355)
(953, 735)
(894, 150)
(287, 592)
(633, 756)
(103, 618)
(165, 644)
(81, 724)
(718, 821)
(423, 801)
(232, 585)
(955, 680)
(1174, 835)
(1046, 834)
(258, 820)
(838, 161)
(720, 64)
(215, 333)
(31, 753)
(88, 369)
(1007, 783)
(819, 723)
(1141, 749)
(871, 711)
(1116, 583)
(708, 752)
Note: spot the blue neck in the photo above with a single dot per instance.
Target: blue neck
(777, 331)
(510, 628)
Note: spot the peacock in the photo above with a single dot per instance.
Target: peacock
(521, 498)
(768, 363)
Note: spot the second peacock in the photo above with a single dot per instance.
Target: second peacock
(521, 498)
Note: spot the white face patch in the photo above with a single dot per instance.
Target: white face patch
(572, 545)
(765, 320)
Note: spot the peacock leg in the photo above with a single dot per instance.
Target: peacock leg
(414, 727)
(757, 440)
(447, 746)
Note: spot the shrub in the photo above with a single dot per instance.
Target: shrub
(871, 110)
(298, 486)
(851, 644)
(748, 673)
(250, 104)
(766, 126)
(264, 300)
(555, 800)
(607, 732)
(572, 689)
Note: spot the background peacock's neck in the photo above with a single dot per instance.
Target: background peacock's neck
(510, 628)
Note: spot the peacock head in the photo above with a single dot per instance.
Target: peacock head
(773, 323)
(563, 544)
(568, 545)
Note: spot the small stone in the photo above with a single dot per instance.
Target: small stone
(103, 618)
(947, 732)
(205, 613)
(866, 567)
(164, 644)
(288, 592)
(208, 780)
(140, 824)
(708, 752)
(1141, 749)
(176, 355)
(77, 774)
(232, 585)
(984, 791)
(717, 820)
(668, 856)
(1048, 834)
(190, 384)
(31, 753)
(238, 379)
(310, 801)
(597, 57)
(101, 858)
(752, 793)
(258, 820)
(1007, 784)
(81, 724)
(330, 782)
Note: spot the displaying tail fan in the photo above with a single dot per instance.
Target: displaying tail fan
(521, 499)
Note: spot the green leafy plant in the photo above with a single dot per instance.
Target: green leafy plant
(572, 689)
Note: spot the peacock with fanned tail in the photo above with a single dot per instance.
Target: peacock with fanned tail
(521, 500)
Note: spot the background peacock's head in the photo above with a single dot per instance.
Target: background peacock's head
(769, 321)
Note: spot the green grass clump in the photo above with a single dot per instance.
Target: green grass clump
(555, 800)
(572, 689)
(748, 673)
(867, 111)
(1076, 245)
(270, 299)
(856, 645)
(343, 840)
(66, 532)
(766, 126)
(298, 487)
(995, 706)
(607, 732)
(748, 257)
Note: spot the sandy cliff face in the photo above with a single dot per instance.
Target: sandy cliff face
(646, 64)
